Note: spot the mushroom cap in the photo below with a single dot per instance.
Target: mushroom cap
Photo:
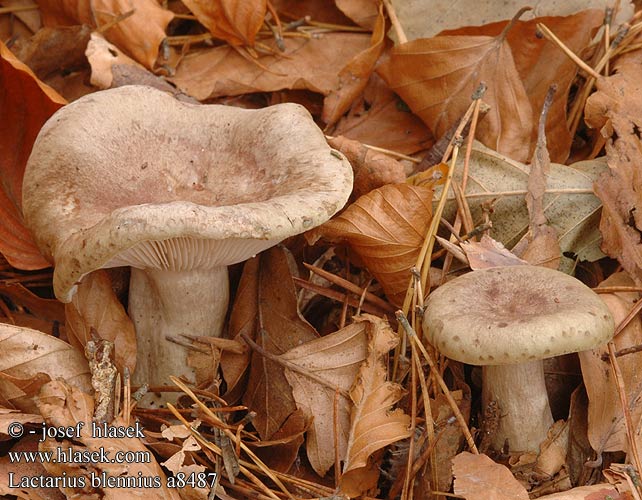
(131, 176)
(515, 314)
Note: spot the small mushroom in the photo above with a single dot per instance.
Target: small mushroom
(507, 319)
(178, 192)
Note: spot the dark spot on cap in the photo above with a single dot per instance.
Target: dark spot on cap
(456, 338)
(503, 324)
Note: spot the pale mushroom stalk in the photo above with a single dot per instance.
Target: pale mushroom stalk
(508, 319)
(164, 304)
(132, 177)
(524, 414)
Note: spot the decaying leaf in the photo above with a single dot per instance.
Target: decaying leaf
(619, 119)
(280, 327)
(95, 305)
(139, 34)
(371, 169)
(437, 76)
(477, 477)
(354, 76)
(362, 12)
(102, 57)
(373, 424)
(8, 416)
(333, 361)
(386, 228)
(25, 104)
(66, 406)
(47, 309)
(236, 22)
(283, 449)
(570, 205)
(489, 253)
(380, 118)
(31, 355)
(305, 64)
(606, 427)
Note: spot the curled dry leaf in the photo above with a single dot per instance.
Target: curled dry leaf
(362, 12)
(620, 119)
(317, 371)
(280, 327)
(371, 169)
(95, 305)
(236, 22)
(373, 424)
(29, 355)
(103, 56)
(48, 309)
(386, 228)
(354, 76)
(305, 64)
(140, 34)
(25, 104)
(62, 405)
(477, 477)
(606, 426)
(437, 76)
(379, 118)
(489, 253)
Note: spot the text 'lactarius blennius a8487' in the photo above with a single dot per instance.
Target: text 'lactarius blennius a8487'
(133, 177)
(507, 319)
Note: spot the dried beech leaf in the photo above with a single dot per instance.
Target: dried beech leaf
(102, 57)
(371, 169)
(437, 76)
(7, 416)
(362, 12)
(95, 305)
(280, 328)
(570, 205)
(354, 76)
(62, 405)
(374, 425)
(477, 477)
(140, 34)
(602, 491)
(335, 360)
(489, 253)
(28, 353)
(48, 309)
(616, 108)
(380, 118)
(283, 449)
(25, 104)
(235, 21)
(606, 426)
(386, 228)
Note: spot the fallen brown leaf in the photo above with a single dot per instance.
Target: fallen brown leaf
(47, 309)
(616, 109)
(362, 12)
(95, 305)
(437, 76)
(236, 22)
(306, 64)
(371, 169)
(354, 76)
(489, 253)
(31, 355)
(374, 425)
(25, 104)
(379, 118)
(386, 228)
(325, 366)
(606, 426)
(139, 35)
(477, 477)
(280, 327)
(283, 449)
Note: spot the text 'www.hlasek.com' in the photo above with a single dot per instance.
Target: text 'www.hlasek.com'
(71, 455)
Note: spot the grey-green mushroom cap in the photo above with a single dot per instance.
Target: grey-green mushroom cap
(508, 315)
(131, 176)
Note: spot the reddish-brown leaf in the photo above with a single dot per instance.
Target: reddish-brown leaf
(386, 228)
(477, 477)
(437, 77)
(235, 21)
(25, 104)
(140, 34)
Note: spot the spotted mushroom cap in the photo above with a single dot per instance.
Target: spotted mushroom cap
(508, 315)
(133, 177)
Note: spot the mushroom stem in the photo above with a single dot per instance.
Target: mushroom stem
(523, 409)
(168, 303)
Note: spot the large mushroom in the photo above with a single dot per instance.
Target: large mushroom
(507, 319)
(178, 192)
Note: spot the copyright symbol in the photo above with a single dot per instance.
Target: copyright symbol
(15, 429)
